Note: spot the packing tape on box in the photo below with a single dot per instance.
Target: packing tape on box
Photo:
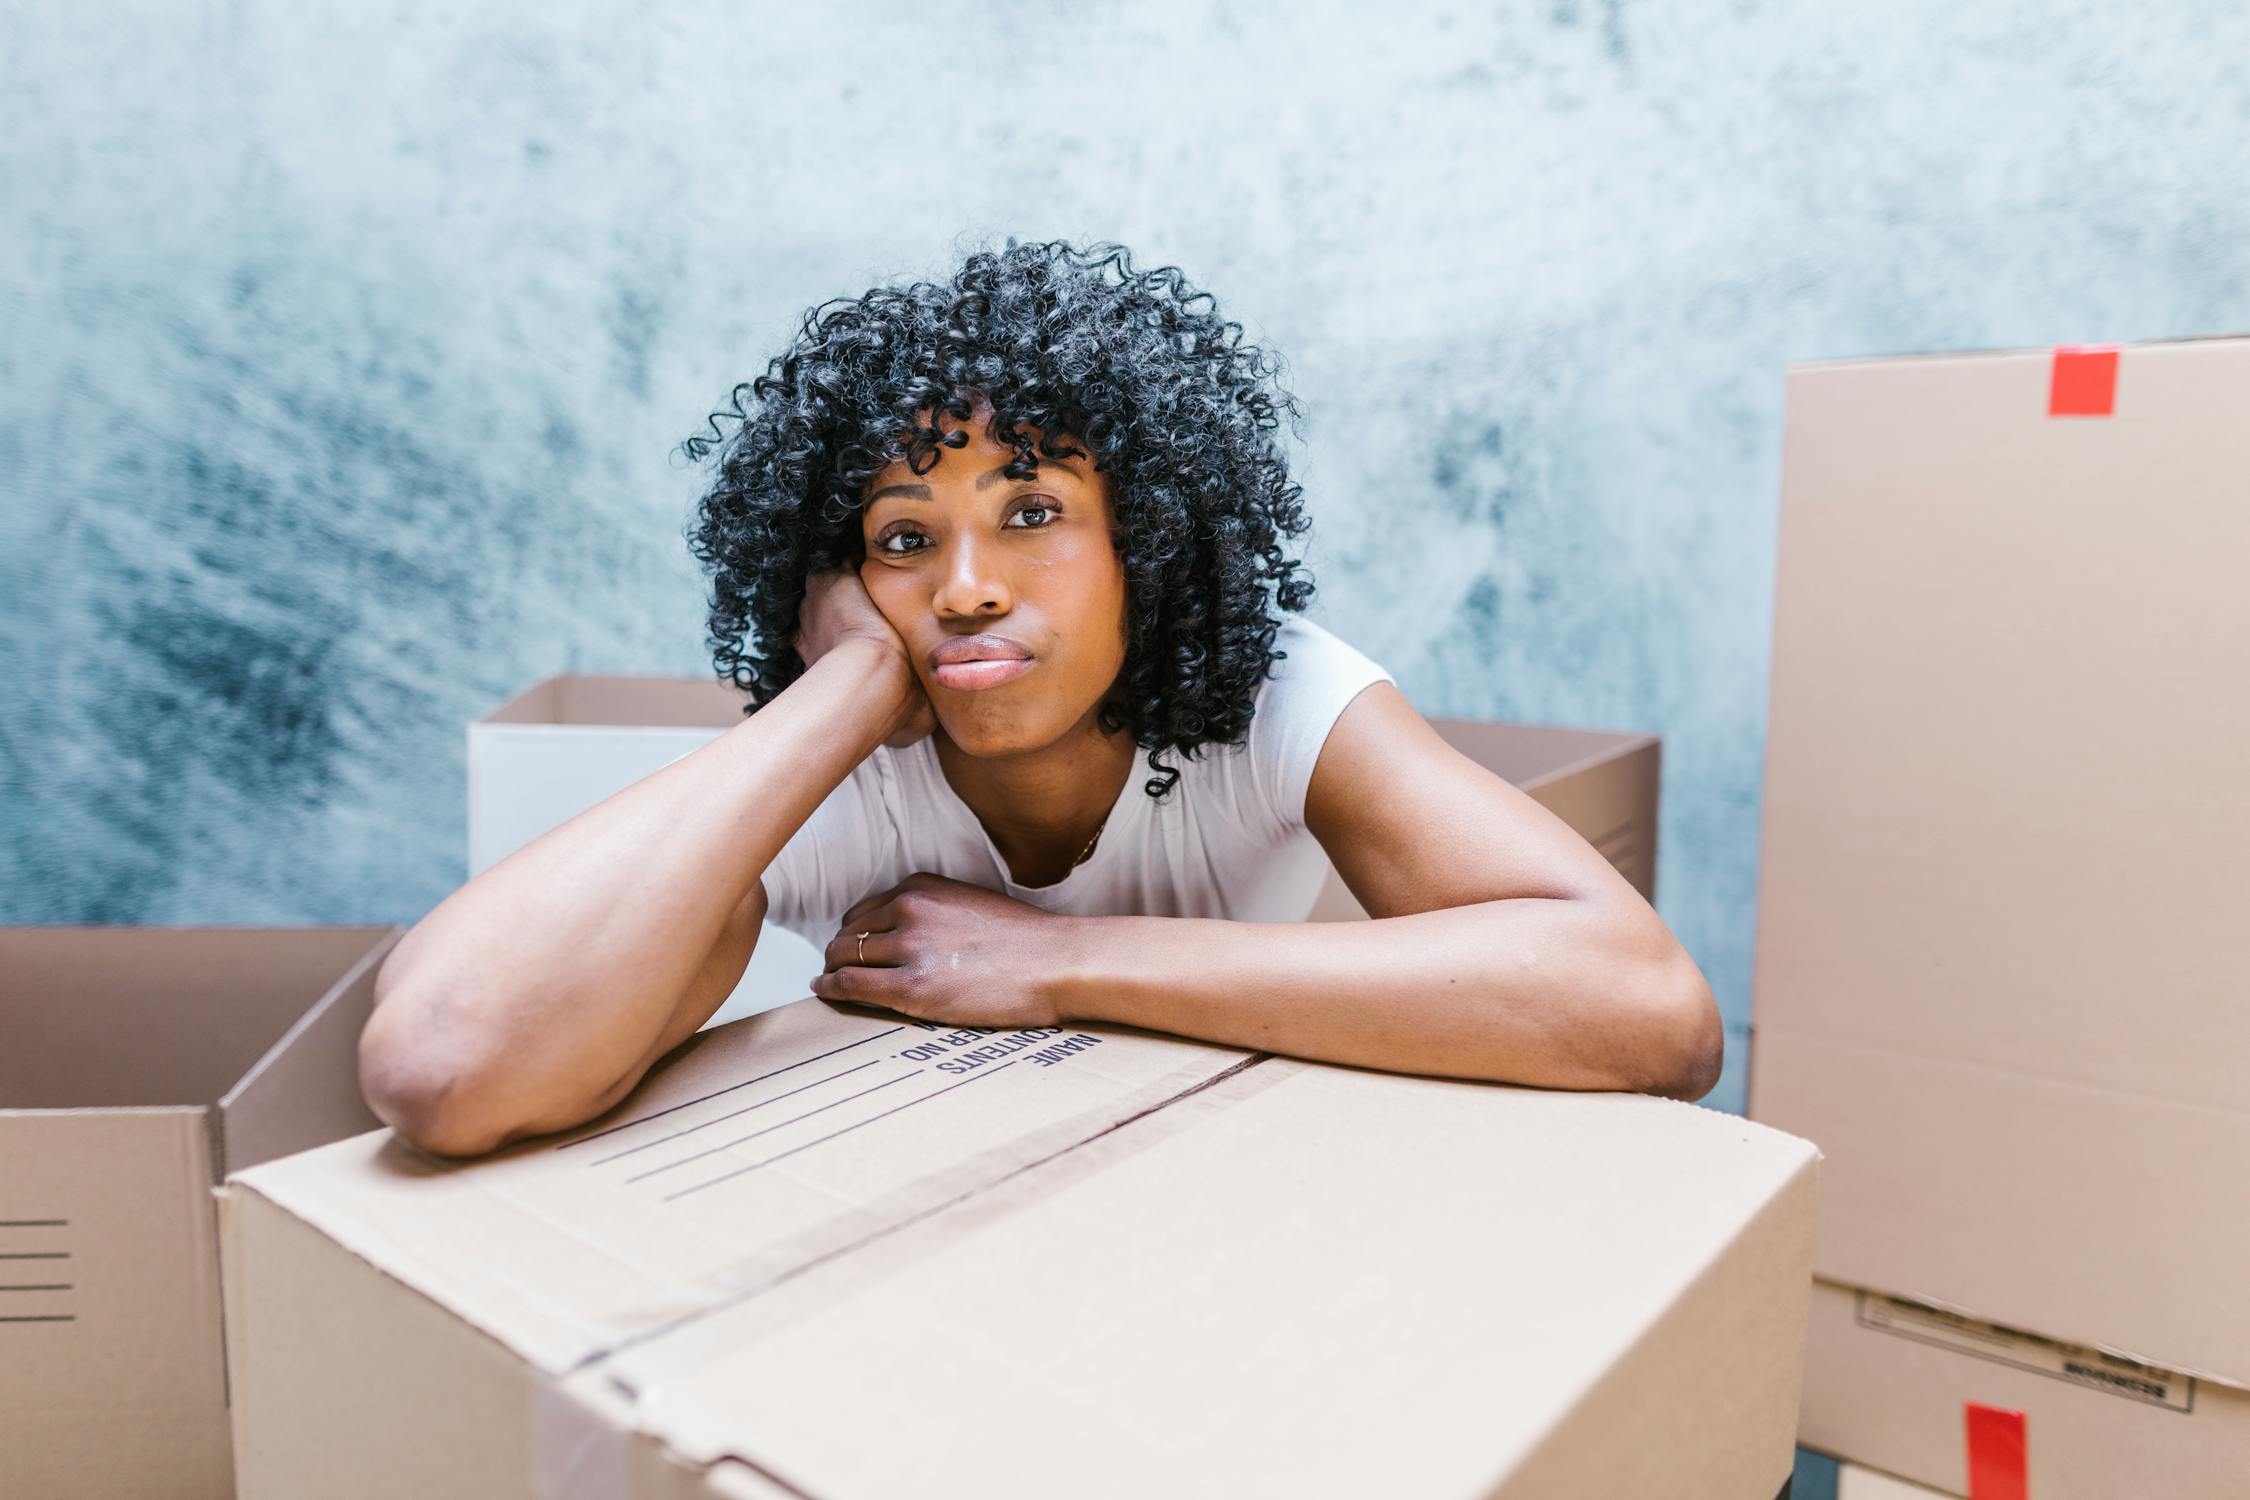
(2082, 382)
(1996, 1453)
(576, 1453)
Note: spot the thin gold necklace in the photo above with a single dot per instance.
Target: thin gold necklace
(1089, 849)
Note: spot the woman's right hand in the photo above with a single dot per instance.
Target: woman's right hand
(837, 609)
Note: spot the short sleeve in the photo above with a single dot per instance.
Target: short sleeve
(1296, 707)
(842, 853)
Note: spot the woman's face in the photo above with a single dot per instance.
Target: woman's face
(965, 551)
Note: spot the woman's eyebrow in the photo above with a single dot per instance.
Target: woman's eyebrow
(985, 481)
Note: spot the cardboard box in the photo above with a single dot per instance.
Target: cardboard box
(1998, 973)
(827, 1252)
(1888, 1382)
(139, 1065)
(1856, 1483)
(1601, 782)
(568, 742)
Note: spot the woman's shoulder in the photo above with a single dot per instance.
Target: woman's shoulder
(1298, 703)
(1316, 657)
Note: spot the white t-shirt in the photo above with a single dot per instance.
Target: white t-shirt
(1228, 841)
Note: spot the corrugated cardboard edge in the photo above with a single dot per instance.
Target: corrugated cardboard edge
(1679, 1390)
(332, 1021)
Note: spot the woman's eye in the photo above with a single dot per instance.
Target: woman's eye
(1044, 510)
(883, 544)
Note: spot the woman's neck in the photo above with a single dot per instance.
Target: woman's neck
(1041, 807)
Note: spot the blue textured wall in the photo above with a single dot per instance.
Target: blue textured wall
(343, 353)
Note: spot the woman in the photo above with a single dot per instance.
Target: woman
(1018, 534)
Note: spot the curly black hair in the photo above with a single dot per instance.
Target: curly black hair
(1142, 370)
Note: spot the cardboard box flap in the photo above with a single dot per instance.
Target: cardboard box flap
(762, 1147)
(1265, 1268)
(290, 1099)
(104, 1017)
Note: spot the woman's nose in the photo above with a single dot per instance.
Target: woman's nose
(972, 579)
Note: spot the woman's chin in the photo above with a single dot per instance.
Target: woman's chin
(988, 737)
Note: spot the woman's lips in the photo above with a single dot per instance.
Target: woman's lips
(970, 676)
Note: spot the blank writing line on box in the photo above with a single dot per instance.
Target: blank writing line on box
(847, 1130)
(44, 1286)
(38, 1318)
(730, 1088)
(732, 1113)
(770, 1129)
(34, 1255)
(34, 1223)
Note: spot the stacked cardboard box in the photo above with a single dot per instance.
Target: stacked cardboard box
(1998, 975)
(137, 1066)
(566, 743)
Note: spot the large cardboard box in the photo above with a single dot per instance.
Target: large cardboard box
(1999, 973)
(826, 1252)
(1889, 1383)
(138, 1065)
(568, 742)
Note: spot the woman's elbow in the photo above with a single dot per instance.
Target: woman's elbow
(425, 1100)
(1686, 1042)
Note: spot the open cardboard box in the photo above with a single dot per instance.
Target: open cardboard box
(827, 1252)
(139, 1065)
(568, 742)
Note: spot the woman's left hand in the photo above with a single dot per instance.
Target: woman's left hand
(947, 951)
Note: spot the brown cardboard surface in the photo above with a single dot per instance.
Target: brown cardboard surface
(1602, 783)
(1262, 1275)
(631, 1235)
(134, 1016)
(119, 1388)
(294, 1096)
(121, 1044)
(1886, 1382)
(2002, 874)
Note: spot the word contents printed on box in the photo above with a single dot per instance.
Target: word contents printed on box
(686, 1148)
(757, 1148)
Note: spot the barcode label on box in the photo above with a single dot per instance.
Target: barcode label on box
(2090, 1368)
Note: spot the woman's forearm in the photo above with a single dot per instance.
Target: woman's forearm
(529, 993)
(1558, 993)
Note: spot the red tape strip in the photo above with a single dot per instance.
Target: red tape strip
(1996, 1453)
(2083, 383)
